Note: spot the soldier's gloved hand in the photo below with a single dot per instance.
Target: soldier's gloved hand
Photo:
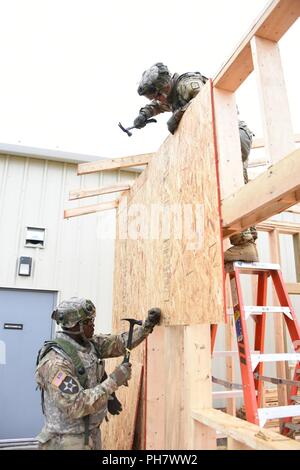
(140, 121)
(172, 124)
(122, 373)
(114, 406)
(153, 318)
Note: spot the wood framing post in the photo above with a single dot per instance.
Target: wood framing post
(198, 386)
(278, 131)
(228, 142)
(279, 327)
(296, 242)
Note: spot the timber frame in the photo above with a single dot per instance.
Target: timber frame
(175, 409)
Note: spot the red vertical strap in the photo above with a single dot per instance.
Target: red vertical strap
(260, 328)
(213, 334)
(243, 348)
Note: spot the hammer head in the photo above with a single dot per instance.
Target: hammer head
(132, 321)
(125, 130)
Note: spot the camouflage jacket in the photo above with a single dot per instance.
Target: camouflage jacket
(184, 88)
(65, 401)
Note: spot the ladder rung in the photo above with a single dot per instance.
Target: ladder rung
(277, 412)
(258, 310)
(293, 426)
(227, 394)
(257, 266)
(276, 357)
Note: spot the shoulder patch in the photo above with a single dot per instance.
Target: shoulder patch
(69, 385)
(195, 85)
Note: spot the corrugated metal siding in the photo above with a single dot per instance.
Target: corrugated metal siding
(76, 259)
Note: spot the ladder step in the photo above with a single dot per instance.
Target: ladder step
(293, 426)
(255, 267)
(295, 398)
(276, 357)
(258, 310)
(227, 394)
(277, 412)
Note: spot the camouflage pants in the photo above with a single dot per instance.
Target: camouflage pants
(73, 442)
(250, 233)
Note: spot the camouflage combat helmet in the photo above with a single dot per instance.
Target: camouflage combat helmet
(70, 312)
(154, 79)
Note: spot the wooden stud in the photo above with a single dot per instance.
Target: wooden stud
(103, 206)
(114, 164)
(278, 130)
(279, 324)
(296, 244)
(82, 193)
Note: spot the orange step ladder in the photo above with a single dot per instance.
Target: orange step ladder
(252, 363)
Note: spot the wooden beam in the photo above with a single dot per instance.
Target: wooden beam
(82, 193)
(269, 194)
(293, 288)
(115, 163)
(276, 19)
(289, 228)
(279, 323)
(246, 433)
(103, 206)
(260, 142)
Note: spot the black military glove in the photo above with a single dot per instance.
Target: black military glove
(140, 121)
(122, 373)
(172, 124)
(114, 406)
(153, 318)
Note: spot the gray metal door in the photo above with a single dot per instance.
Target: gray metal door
(25, 323)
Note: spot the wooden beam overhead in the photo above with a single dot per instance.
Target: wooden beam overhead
(114, 164)
(82, 193)
(269, 194)
(247, 433)
(276, 19)
(103, 206)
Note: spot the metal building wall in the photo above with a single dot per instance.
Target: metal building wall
(77, 259)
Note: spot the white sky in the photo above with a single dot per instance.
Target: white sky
(70, 68)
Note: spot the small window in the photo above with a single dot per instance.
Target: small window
(35, 237)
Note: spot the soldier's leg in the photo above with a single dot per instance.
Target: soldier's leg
(66, 442)
(244, 248)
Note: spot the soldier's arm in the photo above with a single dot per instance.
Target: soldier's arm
(154, 108)
(66, 392)
(115, 345)
(187, 89)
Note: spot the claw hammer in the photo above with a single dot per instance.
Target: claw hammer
(130, 133)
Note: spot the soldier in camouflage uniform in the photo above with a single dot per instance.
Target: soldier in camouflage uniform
(76, 391)
(174, 93)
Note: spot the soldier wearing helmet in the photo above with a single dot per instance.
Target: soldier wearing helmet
(174, 93)
(76, 391)
(167, 93)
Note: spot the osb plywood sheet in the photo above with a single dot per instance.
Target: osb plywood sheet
(118, 432)
(181, 274)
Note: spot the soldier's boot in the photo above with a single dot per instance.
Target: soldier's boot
(243, 249)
